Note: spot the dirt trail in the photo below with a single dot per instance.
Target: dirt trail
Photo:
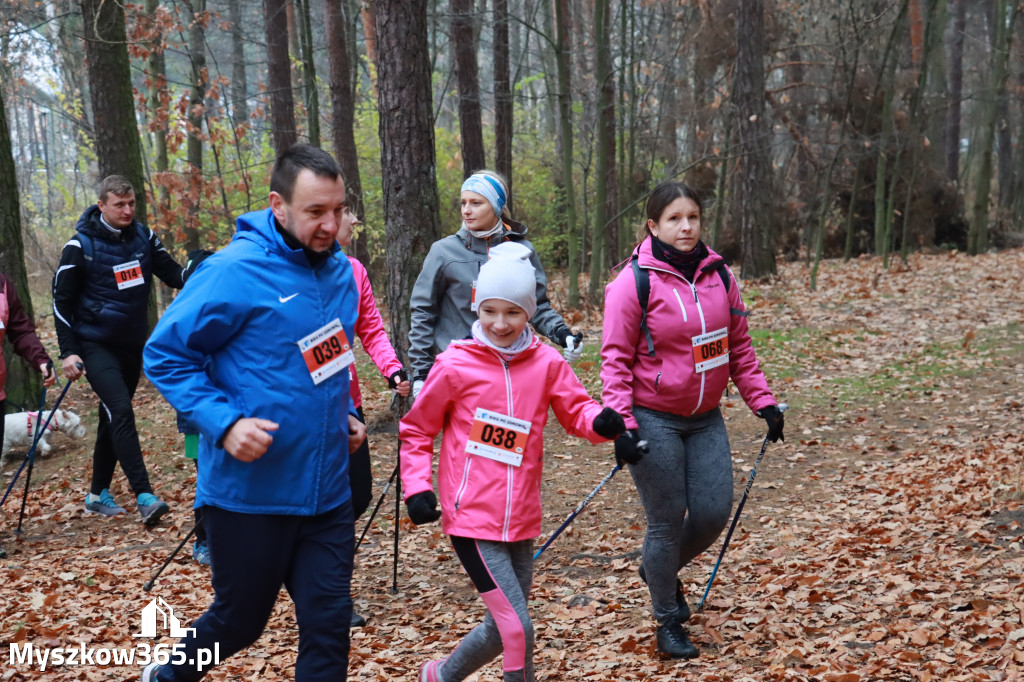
(882, 541)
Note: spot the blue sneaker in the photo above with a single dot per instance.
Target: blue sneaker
(151, 508)
(201, 553)
(102, 504)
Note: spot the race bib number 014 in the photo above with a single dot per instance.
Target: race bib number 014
(711, 349)
(326, 351)
(498, 437)
(129, 275)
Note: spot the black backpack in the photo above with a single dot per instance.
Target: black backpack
(643, 292)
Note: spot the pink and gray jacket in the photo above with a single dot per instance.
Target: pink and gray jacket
(370, 330)
(482, 498)
(16, 324)
(677, 311)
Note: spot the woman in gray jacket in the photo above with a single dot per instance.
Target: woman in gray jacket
(442, 304)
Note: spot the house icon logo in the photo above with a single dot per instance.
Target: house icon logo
(159, 612)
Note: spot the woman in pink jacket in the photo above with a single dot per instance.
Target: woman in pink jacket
(490, 394)
(664, 368)
(370, 330)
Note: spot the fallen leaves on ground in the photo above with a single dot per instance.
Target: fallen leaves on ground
(882, 541)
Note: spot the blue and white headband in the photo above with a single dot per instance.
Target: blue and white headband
(489, 188)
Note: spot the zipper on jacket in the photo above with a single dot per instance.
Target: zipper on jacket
(465, 482)
(510, 469)
(703, 330)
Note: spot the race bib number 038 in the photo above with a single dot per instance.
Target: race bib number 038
(326, 351)
(498, 437)
(711, 349)
(128, 275)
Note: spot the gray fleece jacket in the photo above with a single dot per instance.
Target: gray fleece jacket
(440, 304)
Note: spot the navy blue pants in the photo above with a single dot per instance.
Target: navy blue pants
(253, 555)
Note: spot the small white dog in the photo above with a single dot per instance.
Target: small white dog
(20, 428)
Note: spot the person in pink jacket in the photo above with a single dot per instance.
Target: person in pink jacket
(370, 330)
(664, 369)
(490, 394)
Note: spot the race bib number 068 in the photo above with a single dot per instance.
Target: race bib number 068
(711, 349)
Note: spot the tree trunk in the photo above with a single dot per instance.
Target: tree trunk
(279, 75)
(605, 240)
(312, 97)
(754, 190)
(370, 38)
(977, 236)
(956, 88)
(118, 151)
(197, 105)
(22, 383)
(159, 114)
(239, 84)
(502, 97)
(408, 167)
(470, 121)
(563, 23)
(343, 115)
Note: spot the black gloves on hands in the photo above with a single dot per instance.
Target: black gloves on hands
(397, 378)
(772, 416)
(609, 424)
(423, 507)
(195, 257)
(629, 449)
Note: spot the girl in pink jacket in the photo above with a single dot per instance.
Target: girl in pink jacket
(664, 367)
(490, 395)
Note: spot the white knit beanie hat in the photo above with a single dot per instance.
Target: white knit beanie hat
(509, 276)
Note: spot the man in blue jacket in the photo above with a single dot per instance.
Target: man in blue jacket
(255, 353)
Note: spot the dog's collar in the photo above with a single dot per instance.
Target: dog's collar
(52, 426)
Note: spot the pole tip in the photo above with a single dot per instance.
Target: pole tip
(148, 586)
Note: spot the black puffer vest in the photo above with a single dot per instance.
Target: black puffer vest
(105, 313)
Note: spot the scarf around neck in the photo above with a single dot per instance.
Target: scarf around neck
(517, 347)
(487, 234)
(686, 262)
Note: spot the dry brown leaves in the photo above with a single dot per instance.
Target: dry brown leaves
(881, 542)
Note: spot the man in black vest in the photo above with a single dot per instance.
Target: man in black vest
(100, 299)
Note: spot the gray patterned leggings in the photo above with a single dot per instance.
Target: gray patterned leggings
(685, 486)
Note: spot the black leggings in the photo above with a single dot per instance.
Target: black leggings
(113, 374)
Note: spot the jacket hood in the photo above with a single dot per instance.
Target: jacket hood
(260, 227)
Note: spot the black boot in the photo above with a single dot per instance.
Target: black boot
(673, 640)
(357, 620)
(684, 608)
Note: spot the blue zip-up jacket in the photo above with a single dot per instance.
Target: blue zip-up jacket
(227, 348)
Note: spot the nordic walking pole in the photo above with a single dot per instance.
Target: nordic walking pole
(642, 446)
(380, 500)
(31, 458)
(149, 583)
(577, 510)
(33, 448)
(400, 406)
(735, 519)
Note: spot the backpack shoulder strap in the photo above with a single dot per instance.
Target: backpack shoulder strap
(643, 293)
(723, 272)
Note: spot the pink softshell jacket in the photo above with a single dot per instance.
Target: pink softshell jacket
(677, 311)
(370, 330)
(482, 498)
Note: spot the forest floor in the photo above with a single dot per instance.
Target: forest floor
(882, 541)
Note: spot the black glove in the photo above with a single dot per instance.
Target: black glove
(629, 449)
(609, 424)
(423, 507)
(195, 257)
(772, 416)
(397, 378)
